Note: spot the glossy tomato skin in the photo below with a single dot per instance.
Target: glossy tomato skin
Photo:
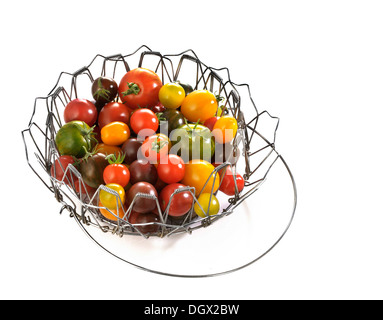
(142, 204)
(115, 212)
(155, 147)
(60, 166)
(180, 203)
(131, 149)
(92, 169)
(109, 200)
(144, 122)
(209, 123)
(115, 133)
(171, 169)
(208, 203)
(197, 173)
(170, 120)
(141, 218)
(225, 129)
(142, 170)
(139, 88)
(117, 173)
(82, 110)
(228, 182)
(171, 95)
(114, 111)
(104, 90)
(199, 105)
(108, 149)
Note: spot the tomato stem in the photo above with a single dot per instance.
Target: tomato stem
(113, 160)
(133, 89)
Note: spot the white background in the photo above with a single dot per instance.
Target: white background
(318, 65)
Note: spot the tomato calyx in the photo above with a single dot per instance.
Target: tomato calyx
(112, 159)
(89, 136)
(158, 144)
(133, 89)
(101, 91)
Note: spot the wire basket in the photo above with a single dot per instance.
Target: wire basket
(253, 147)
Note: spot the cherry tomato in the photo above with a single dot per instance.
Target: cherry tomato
(59, 168)
(149, 219)
(92, 169)
(225, 129)
(142, 204)
(171, 95)
(104, 90)
(180, 203)
(117, 173)
(209, 123)
(142, 170)
(158, 108)
(197, 173)
(113, 214)
(171, 169)
(155, 147)
(115, 133)
(82, 110)
(131, 149)
(143, 121)
(209, 207)
(114, 111)
(107, 149)
(110, 200)
(199, 105)
(139, 88)
(228, 185)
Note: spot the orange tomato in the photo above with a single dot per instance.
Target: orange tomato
(112, 215)
(199, 105)
(225, 129)
(115, 133)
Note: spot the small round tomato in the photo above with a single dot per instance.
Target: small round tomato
(207, 205)
(131, 149)
(180, 203)
(143, 121)
(225, 129)
(107, 149)
(155, 147)
(104, 90)
(142, 204)
(148, 221)
(117, 173)
(209, 123)
(82, 110)
(143, 171)
(59, 169)
(109, 200)
(198, 173)
(114, 111)
(115, 133)
(171, 95)
(199, 105)
(171, 169)
(228, 182)
(113, 214)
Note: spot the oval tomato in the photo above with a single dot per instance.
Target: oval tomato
(139, 88)
(113, 111)
(207, 204)
(225, 129)
(110, 200)
(199, 105)
(107, 150)
(171, 95)
(180, 203)
(115, 133)
(81, 110)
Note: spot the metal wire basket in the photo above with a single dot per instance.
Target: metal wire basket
(253, 145)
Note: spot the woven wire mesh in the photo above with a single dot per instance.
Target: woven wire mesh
(254, 141)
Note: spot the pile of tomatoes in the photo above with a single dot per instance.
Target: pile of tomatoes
(144, 137)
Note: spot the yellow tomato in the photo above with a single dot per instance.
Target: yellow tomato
(111, 216)
(171, 95)
(203, 202)
(110, 200)
(115, 133)
(197, 173)
(199, 105)
(225, 129)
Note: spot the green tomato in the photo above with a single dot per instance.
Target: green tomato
(192, 141)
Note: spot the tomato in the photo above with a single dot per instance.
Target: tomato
(110, 200)
(209, 123)
(180, 203)
(104, 90)
(228, 182)
(107, 149)
(92, 169)
(143, 121)
(199, 105)
(170, 120)
(155, 147)
(171, 169)
(225, 129)
(187, 87)
(142, 204)
(158, 108)
(113, 111)
(111, 214)
(74, 138)
(197, 173)
(171, 95)
(207, 205)
(148, 221)
(117, 173)
(131, 149)
(193, 141)
(115, 133)
(139, 88)
(82, 110)
(143, 171)
(59, 169)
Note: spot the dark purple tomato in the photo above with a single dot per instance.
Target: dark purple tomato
(142, 204)
(131, 148)
(104, 90)
(138, 218)
(92, 169)
(143, 171)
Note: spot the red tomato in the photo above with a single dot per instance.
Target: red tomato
(60, 166)
(114, 111)
(180, 203)
(228, 185)
(210, 123)
(117, 173)
(82, 110)
(139, 88)
(144, 120)
(171, 169)
(155, 147)
(145, 218)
